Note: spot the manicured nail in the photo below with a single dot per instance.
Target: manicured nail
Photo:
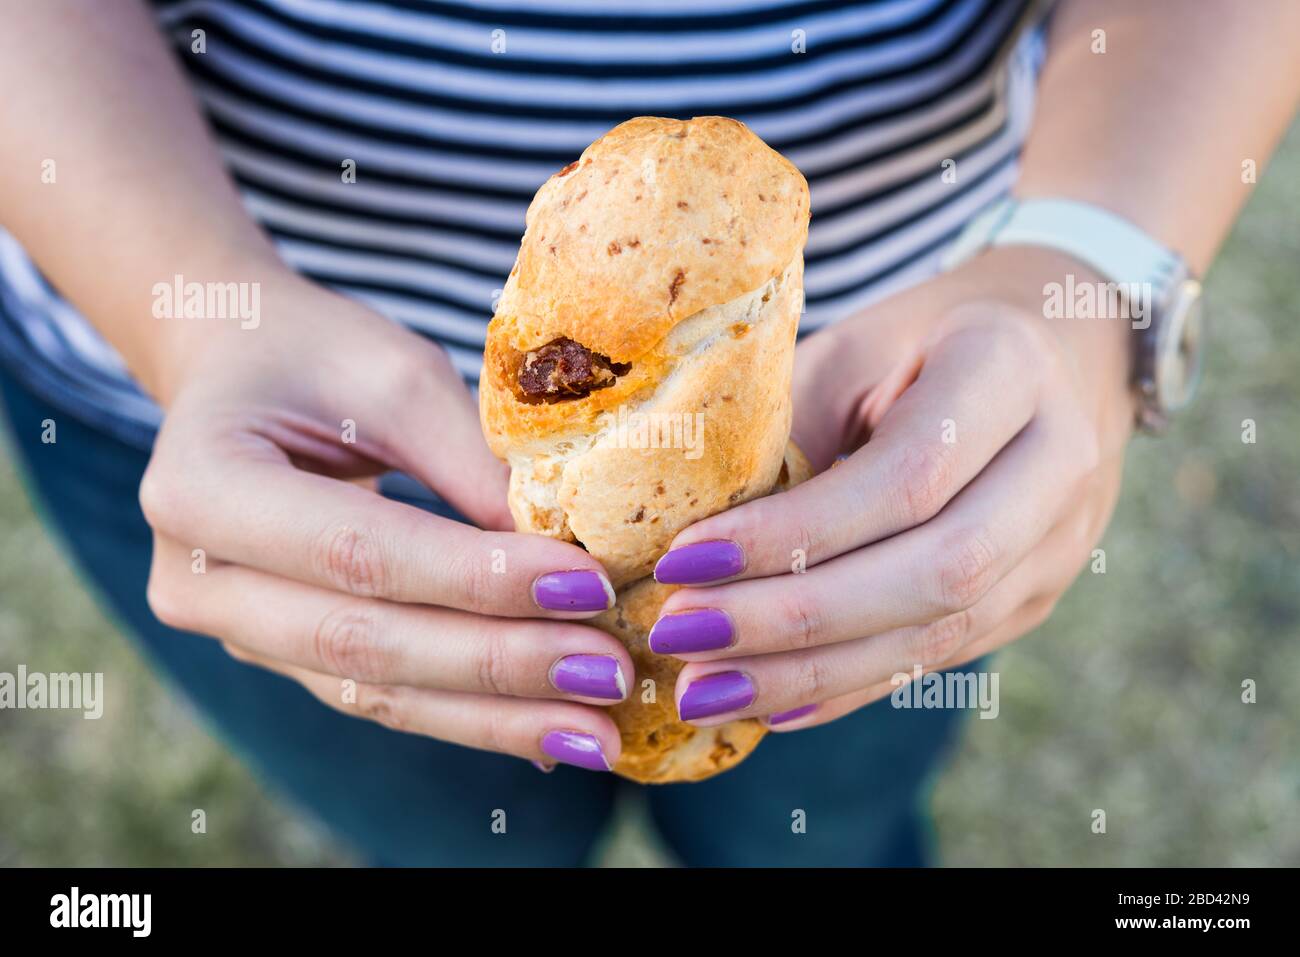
(703, 629)
(700, 562)
(574, 747)
(544, 768)
(716, 694)
(579, 590)
(792, 715)
(592, 676)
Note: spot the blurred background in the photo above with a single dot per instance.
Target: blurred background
(1129, 700)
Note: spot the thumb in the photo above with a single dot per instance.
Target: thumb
(437, 439)
(847, 376)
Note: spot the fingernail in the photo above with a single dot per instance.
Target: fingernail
(700, 562)
(574, 747)
(702, 629)
(592, 676)
(716, 694)
(792, 715)
(579, 590)
(544, 768)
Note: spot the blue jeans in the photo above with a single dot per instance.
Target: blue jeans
(406, 800)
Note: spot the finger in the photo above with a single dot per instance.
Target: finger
(413, 413)
(540, 731)
(942, 568)
(789, 688)
(824, 367)
(1055, 564)
(1038, 583)
(777, 684)
(390, 643)
(435, 414)
(1026, 619)
(975, 392)
(259, 512)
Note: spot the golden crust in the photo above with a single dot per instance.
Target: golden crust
(626, 503)
(656, 220)
(657, 747)
(709, 437)
(510, 425)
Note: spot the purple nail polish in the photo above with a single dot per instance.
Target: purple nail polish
(700, 562)
(578, 590)
(575, 747)
(592, 676)
(794, 714)
(702, 629)
(716, 694)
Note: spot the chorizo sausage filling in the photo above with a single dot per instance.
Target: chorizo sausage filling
(564, 369)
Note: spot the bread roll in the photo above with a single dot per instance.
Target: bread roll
(637, 371)
(657, 747)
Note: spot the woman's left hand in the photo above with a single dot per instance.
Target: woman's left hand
(985, 447)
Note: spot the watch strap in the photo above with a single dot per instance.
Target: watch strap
(1119, 251)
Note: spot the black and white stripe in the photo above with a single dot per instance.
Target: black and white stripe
(451, 140)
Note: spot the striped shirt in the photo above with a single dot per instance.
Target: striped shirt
(906, 116)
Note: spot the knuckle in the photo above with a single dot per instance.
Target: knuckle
(352, 561)
(472, 579)
(347, 642)
(236, 652)
(420, 371)
(811, 680)
(497, 732)
(1039, 612)
(966, 570)
(383, 705)
(1083, 534)
(1088, 450)
(922, 478)
(159, 498)
(939, 640)
(167, 603)
(1020, 343)
(803, 540)
(495, 670)
(1014, 345)
(801, 623)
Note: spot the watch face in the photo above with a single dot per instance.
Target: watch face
(1180, 348)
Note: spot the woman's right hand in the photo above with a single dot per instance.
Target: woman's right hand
(269, 537)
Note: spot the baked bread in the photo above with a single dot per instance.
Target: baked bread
(637, 371)
(658, 747)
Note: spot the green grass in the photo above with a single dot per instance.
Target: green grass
(1128, 700)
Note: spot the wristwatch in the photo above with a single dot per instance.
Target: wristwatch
(1162, 298)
